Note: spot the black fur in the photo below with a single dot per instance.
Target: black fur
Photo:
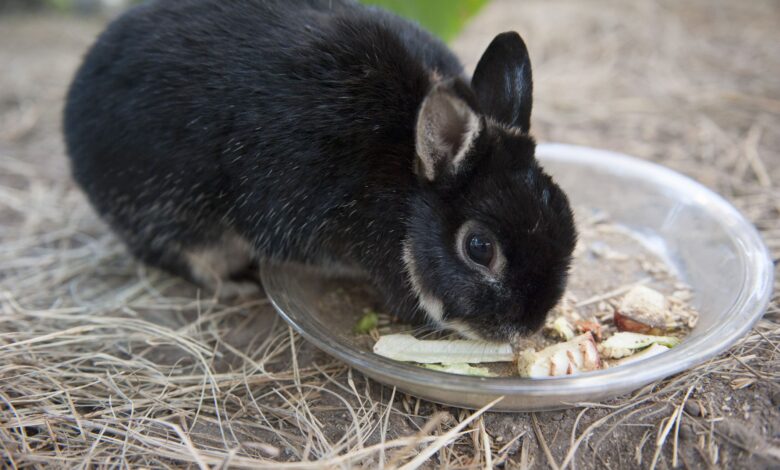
(503, 83)
(292, 124)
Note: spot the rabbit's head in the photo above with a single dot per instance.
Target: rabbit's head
(490, 236)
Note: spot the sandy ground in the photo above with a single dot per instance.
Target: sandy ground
(105, 362)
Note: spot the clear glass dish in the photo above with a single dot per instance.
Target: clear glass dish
(709, 243)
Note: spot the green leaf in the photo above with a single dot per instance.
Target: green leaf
(404, 347)
(366, 323)
(444, 18)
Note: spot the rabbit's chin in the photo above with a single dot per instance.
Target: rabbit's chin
(462, 328)
(501, 333)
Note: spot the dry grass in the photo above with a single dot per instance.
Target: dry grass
(106, 363)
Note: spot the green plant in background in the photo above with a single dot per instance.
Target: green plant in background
(444, 18)
(61, 4)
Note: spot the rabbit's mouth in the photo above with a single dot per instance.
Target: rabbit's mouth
(462, 328)
(493, 331)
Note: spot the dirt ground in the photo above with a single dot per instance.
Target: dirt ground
(104, 362)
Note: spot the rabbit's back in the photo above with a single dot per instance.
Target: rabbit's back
(194, 118)
(172, 77)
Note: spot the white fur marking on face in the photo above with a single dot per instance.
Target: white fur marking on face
(462, 329)
(432, 306)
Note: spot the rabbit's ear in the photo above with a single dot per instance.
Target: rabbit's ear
(502, 81)
(446, 129)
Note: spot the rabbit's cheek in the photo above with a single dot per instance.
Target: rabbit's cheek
(429, 303)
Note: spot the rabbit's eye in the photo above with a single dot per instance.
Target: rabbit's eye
(480, 248)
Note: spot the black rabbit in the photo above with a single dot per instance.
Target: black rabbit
(212, 134)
